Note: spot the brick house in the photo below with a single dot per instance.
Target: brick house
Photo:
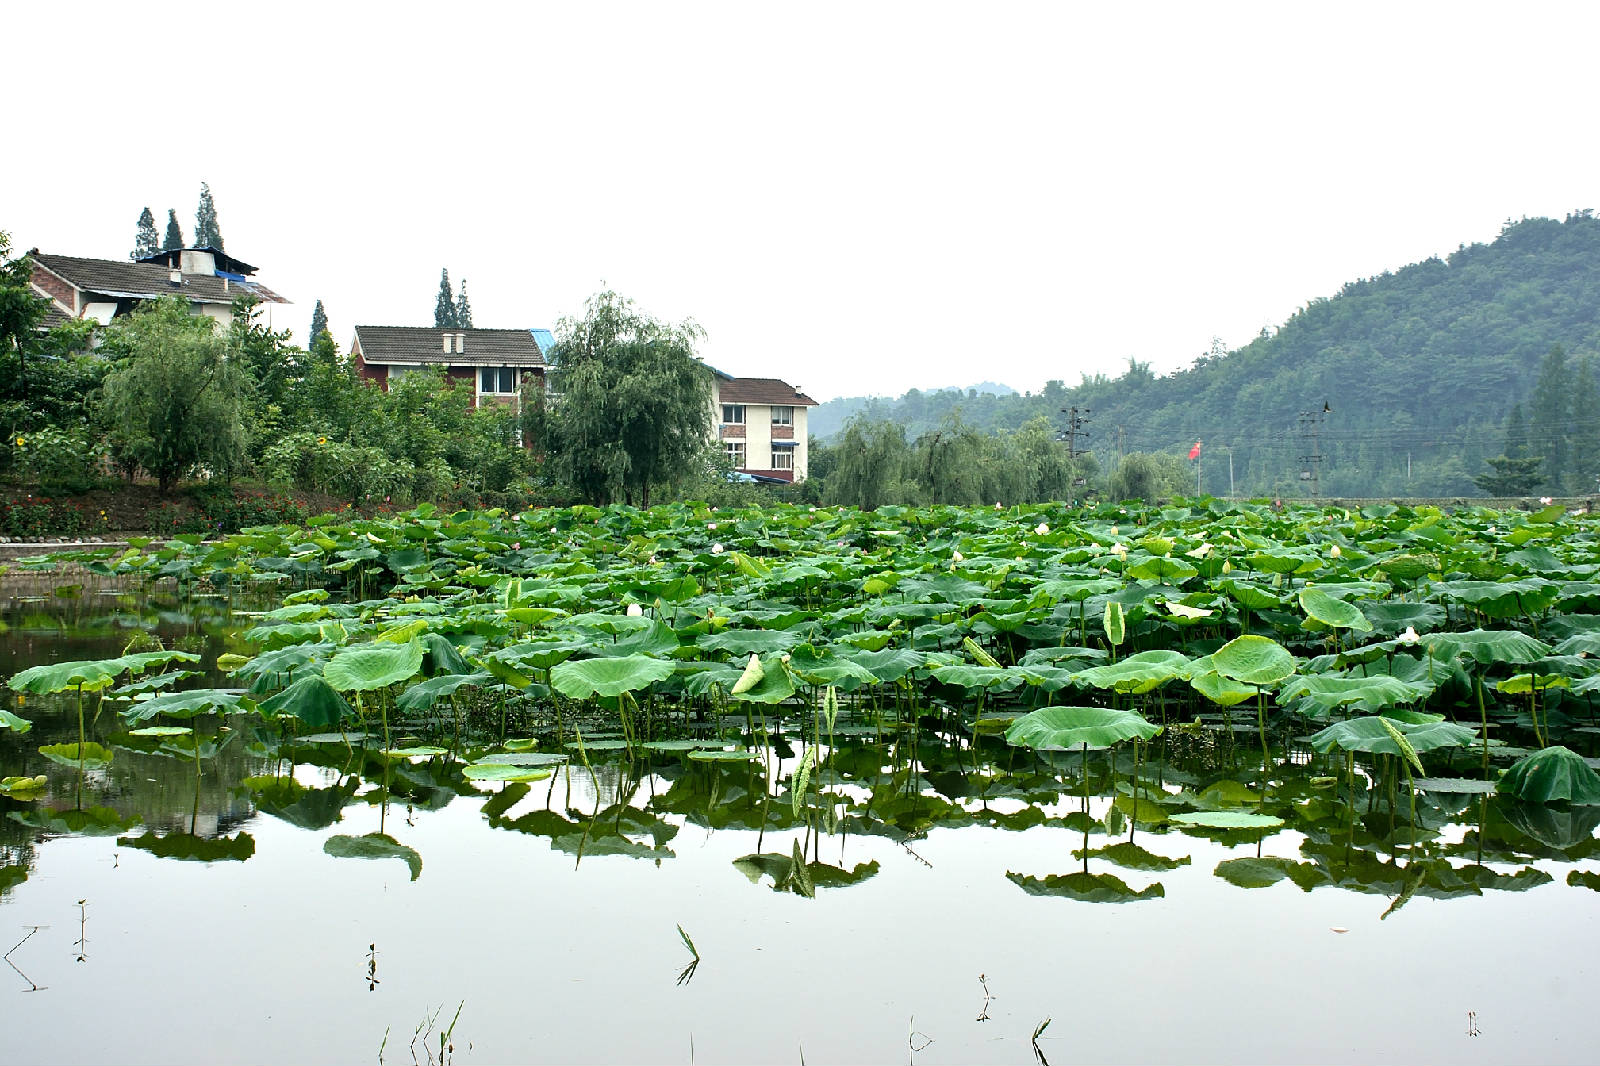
(496, 363)
(761, 423)
(103, 289)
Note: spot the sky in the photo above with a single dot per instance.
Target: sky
(858, 198)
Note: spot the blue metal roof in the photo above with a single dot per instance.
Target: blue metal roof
(544, 339)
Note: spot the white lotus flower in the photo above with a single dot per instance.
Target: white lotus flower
(957, 556)
(1113, 531)
(1546, 500)
(1200, 552)
(716, 549)
(711, 525)
(1041, 529)
(1334, 552)
(634, 610)
(1408, 637)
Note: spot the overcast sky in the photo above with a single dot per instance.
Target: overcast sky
(857, 198)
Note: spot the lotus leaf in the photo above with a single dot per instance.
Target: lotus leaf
(1331, 611)
(367, 667)
(1137, 673)
(189, 848)
(310, 699)
(587, 678)
(11, 721)
(373, 846)
(772, 684)
(424, 694)
(1487, 646)
(89, 755)
(1064, 728)
(493, 771)
(187, 704)
(1553, 775)
(1253, 660)
(1370, 734)
(1087, 887)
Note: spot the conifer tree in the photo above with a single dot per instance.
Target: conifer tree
(463, 308)
(1584, 438)
(444, 308)
(319, 325)
(1513, 472)
(146, 241)
(174, 239)
(207, 234)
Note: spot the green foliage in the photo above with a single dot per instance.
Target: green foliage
(146, 241)
(444, 306)
(319, 325)
(1150, 476)
(175, 402)
(463, 308)
(174, 237)
(634, 414)
(1553, 775)
(207, 233)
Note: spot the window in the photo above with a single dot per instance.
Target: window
(783, 416)
(733, 414)
(396, 371)
(497, 379)
(783, 458)
(735, 450)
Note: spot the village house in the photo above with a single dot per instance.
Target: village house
(761, 423)
(496, 362)
(103, 289)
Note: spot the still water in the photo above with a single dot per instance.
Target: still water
(548, 913)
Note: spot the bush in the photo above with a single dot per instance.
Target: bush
(60, 460)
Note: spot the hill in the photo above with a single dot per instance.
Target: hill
(1418, 370)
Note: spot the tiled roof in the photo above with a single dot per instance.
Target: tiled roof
(147, 281)
(763, 390)
(417, 344)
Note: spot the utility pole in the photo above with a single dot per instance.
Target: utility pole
(1311, 436)
(1077, 421)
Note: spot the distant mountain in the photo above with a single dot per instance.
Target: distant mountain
(829, 418)
(1417, 368)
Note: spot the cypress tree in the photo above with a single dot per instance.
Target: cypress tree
(463, 308)
(146, 241)
(174, 239)
(1583, 464)
(319, 325)
(444, 308)
(207, 234)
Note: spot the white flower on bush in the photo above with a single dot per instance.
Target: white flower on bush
(634, 610)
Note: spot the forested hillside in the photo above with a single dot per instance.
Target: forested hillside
(1418, 369)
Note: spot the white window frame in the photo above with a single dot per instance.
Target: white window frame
(499, 371)
(783, 458)
(735, 451)
(783, 415)
(733, 409)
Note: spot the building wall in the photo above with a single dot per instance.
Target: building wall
(56, 289)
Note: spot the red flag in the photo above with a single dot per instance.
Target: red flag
(1194, 453)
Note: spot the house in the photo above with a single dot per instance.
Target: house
(497, 362)
(103, 289)
(761, 423)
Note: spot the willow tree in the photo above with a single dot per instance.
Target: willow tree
(635, 408)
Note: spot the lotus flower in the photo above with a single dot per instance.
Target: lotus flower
(1041, 529)
(634, 610)
(1408, 637)
(716, 549)
(1334, 552)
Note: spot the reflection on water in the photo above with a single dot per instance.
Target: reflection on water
(863, 883)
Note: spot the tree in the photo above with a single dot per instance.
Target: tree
(635, 412)
(207, 234)
(319, 325)
(174, 239)
(1551, 409)
(1150, 476)
(146, 241)
(1510, 476)
(175, 401)
(463, 308)
(1584, 438)
(444, 308)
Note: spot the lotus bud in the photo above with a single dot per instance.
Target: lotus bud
(1113, 531)
(716, 549)
(634, 610)
(1334, 552)
(957, 556)
(997, 505)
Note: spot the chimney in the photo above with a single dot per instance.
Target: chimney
(461, 342)
(447, 342)
(176, 276)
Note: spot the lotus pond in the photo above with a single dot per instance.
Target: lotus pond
(1205, 783)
